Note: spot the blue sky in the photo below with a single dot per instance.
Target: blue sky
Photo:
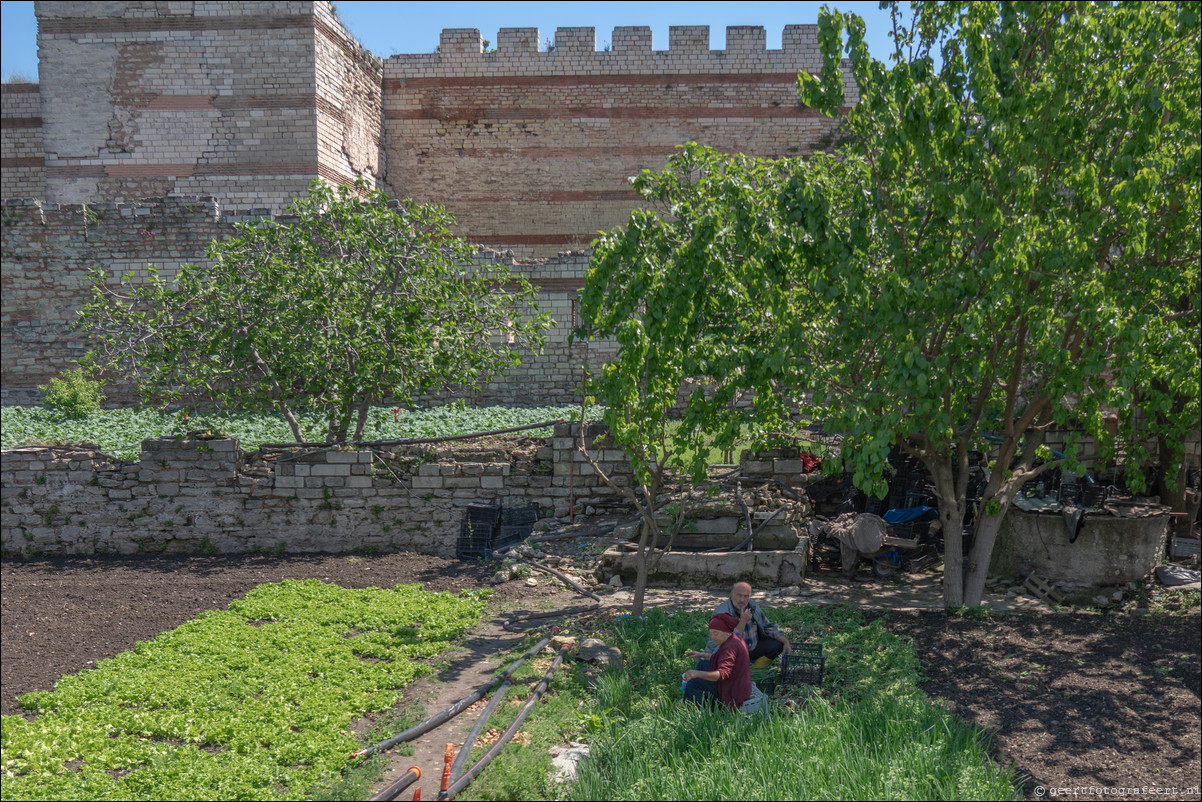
(387, 28)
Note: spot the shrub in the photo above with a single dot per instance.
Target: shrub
(72, 394)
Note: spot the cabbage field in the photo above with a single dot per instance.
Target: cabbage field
(119, 432)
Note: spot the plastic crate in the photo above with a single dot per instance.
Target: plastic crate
(475, 530)
(911, 530)
(489, 514)
(804, 666)
(525, 515)
(508, 535)
(1093, 495)
(471, 546)
(764, 679)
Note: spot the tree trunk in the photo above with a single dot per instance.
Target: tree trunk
(361, 422)
(986, 534)
(640, 580)
(1173, 497)
(951, 518)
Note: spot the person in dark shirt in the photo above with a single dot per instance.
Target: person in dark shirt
(729, 681)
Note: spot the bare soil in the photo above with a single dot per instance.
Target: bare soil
(1076, 701)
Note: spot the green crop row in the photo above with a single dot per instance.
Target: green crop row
(251, 702)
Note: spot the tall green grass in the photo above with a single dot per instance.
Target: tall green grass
(252, 702)
(868, 733)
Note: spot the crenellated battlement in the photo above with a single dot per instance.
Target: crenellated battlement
(631, 51)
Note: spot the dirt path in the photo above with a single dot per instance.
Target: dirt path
(1077, 700)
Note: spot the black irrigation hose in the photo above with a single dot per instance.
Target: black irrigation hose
(449, 713)
(461, 783)
(393, 789)
(485, 715)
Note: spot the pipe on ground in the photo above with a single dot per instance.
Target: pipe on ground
(463, 782)
(449, 713)
(394, 788)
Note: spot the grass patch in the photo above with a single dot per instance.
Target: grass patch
(251, 702)
(869, 732)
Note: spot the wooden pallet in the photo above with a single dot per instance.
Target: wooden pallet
(1041, 588)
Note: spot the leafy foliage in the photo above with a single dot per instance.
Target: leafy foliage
(1019, 248)
(120, 432)
(675, 288)
(355, 300)
(236, 704)
(73, 395)
(1007, 242)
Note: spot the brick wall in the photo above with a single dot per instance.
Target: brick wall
(146, 99)
(48, 249)
(532, 150)
(347, 81)
(207, 494)
(21, 153)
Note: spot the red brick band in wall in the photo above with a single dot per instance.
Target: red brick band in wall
(564, 196)
(21, 122)
(161, 102)
(50, 25)
(544, 152)
(620, 79)
(532, 239)
(179, 170)
(657, 112)
(27, 161)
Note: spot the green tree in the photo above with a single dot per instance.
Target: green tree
(357, 299)
(674, 288)
(1020, 250)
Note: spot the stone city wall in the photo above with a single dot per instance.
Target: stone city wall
(22, 165)
(203, 495)
(533, 150)
(48, 250)
(245, 102)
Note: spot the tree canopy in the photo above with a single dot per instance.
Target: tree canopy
(1007, 240)
(355, 299)
(673, 288)
(1023, 249)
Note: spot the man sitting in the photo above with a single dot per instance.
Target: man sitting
(765, 642)
(730, 680)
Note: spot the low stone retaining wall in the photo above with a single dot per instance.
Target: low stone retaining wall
(709, 569)
(1109, 549)
(207, 495)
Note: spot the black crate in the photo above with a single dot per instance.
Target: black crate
(471, 545)
(483, 533)
(489, 514)
(804, 666)
(508, 535)
(1093, 495)
(517, 516)
(911, 529)
(473, 552)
